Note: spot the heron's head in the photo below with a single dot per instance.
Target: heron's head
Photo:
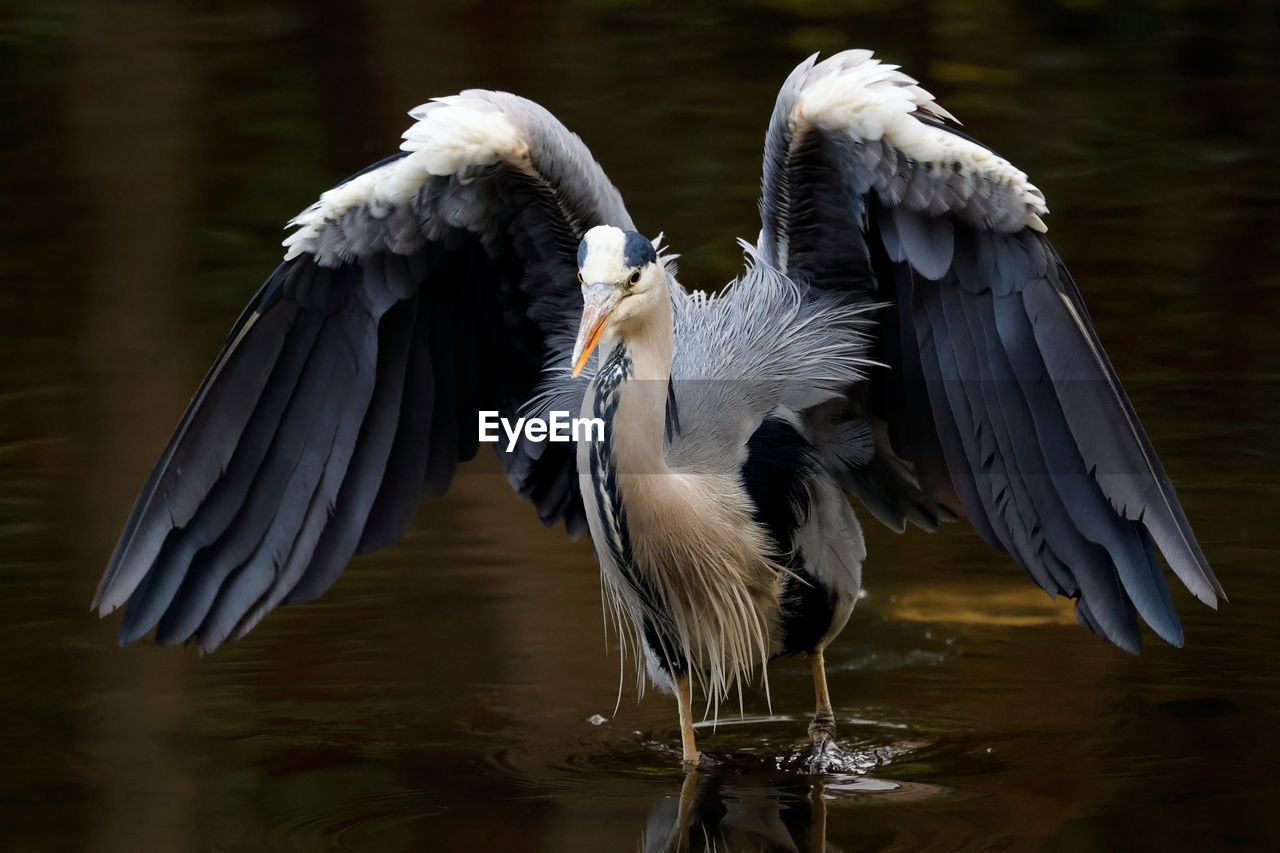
(622, 283)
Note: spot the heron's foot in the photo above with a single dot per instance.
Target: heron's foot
(826, 752)
(827, 756)
(822, 731)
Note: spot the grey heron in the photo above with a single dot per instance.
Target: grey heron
(903, 333)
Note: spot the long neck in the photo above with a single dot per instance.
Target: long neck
(636, 425)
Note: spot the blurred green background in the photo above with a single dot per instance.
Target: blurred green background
(438, 697)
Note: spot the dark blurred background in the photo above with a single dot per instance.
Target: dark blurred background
(438, 697)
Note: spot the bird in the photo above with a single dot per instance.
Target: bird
(902, 332)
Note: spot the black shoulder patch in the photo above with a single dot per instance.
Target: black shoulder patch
(775, 474)
(780, 463)
(673, 414)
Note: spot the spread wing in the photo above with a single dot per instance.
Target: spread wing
(998, 399)
(434, 284)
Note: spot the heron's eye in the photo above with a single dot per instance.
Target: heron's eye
(635, 277)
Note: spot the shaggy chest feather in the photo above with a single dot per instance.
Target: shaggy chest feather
(681, 557)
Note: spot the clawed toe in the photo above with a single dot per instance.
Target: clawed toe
(822, 738)
(823, 735)
(826, 755)
(822, 727)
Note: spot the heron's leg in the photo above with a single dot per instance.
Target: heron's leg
(684, 697)
(823, 728)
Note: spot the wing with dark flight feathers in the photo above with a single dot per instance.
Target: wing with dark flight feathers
(998, 399)
(431, 285)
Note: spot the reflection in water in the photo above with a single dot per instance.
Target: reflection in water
(712, 813)
(768, 798)
(716, 809)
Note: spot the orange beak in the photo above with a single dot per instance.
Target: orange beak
(599, 302)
